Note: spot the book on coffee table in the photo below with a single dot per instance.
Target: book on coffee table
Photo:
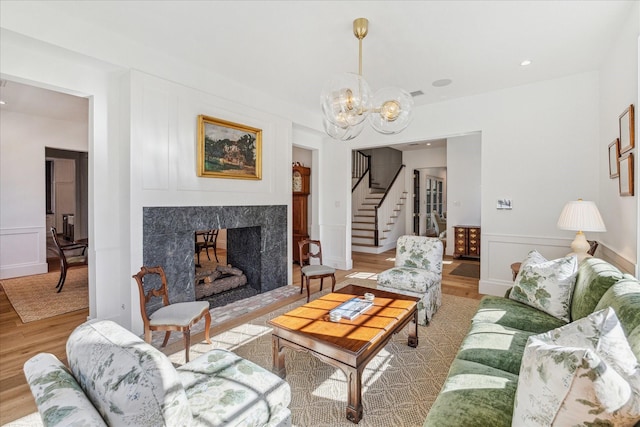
(352, 308)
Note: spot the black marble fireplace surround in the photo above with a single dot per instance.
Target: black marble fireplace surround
(256, 244)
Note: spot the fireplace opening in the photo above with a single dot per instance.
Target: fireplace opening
(256, 244)
(216, 280)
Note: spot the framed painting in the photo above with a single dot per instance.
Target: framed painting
(626, 174)
(614, 153)
(228, 150)
(625, 123)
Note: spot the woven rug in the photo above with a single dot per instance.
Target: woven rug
(398, 386)
(35, 297)
(467, 270)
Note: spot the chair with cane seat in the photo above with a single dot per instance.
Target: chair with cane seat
(310, 271)
(170, 317)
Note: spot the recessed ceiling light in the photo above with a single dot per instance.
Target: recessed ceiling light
(525, 62)
(441, 82)
(428, 144)
(2, 102)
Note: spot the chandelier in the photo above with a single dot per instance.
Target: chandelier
(347, 101)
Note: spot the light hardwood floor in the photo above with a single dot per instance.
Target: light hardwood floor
(19, 341)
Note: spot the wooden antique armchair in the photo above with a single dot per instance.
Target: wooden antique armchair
(171, 317)
(71, 255)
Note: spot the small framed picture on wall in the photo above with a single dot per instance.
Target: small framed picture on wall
(614, 153)
(626, 174)
(626, 125)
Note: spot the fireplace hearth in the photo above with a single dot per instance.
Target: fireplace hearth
(256, 244)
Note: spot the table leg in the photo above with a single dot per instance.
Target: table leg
(413, 331)
(278, 357)
(354, 399)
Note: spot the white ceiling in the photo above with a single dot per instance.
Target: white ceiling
(289, 48)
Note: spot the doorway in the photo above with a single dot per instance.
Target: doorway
(66, 183)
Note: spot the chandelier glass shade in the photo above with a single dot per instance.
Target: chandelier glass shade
(347, 100)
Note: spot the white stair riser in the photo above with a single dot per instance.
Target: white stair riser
(362, 233)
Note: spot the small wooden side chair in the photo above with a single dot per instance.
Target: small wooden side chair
(310, 271)
(209, 240)
(71, 255)
(180, 316)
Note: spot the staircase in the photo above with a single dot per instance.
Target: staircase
(373, 208)
(364, 224)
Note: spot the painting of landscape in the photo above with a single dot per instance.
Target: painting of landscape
(228, 150)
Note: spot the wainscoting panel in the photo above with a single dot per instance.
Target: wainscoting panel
(334, 247)
(23, 252)
(500, 251)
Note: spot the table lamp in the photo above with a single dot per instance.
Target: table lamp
(580, 215)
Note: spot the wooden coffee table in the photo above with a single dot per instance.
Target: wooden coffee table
(348, 344)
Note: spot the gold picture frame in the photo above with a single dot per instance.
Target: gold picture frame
(626, 126)
(228, 150)
(614, 153)
(625, 165)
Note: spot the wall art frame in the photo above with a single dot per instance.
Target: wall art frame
(614, 154)
(228, 150)
(626, 174)
(626, 127)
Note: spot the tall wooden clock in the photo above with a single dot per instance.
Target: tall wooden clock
(300, 188)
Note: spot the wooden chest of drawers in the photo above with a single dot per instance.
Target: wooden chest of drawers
(466, 241)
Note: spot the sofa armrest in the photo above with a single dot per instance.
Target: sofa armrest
(59, 398)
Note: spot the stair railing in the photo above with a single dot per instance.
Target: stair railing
(360, 165)
(359, 193)
(388, 206)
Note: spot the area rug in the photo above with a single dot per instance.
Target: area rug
(467, 270)
(398, 387)
(35, 297)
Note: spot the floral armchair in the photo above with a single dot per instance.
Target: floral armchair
(417, 272)
(115, 378)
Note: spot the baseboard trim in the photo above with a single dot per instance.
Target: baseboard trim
(23, 270)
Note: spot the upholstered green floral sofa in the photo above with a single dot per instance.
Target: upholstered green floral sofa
(115, 378)
(538, 358)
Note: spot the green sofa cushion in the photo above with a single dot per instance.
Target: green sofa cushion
(495, 345)
(595, 277)
(474, 395)
(514, 314)
(624, 298)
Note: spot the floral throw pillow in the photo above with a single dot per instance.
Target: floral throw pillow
(546, 285)
(581, 374)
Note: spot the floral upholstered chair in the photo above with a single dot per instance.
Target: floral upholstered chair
(417, 272)
(115, 378)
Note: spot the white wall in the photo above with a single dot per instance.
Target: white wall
(23, 231)
(29, 61)
(463, 184)
(532, 137)
(618, 89)
(528, 134)
(163, 148)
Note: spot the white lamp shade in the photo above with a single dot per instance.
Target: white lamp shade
(581, 215)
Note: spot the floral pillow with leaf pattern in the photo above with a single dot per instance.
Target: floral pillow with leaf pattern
(581, 374)
(546, 285)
